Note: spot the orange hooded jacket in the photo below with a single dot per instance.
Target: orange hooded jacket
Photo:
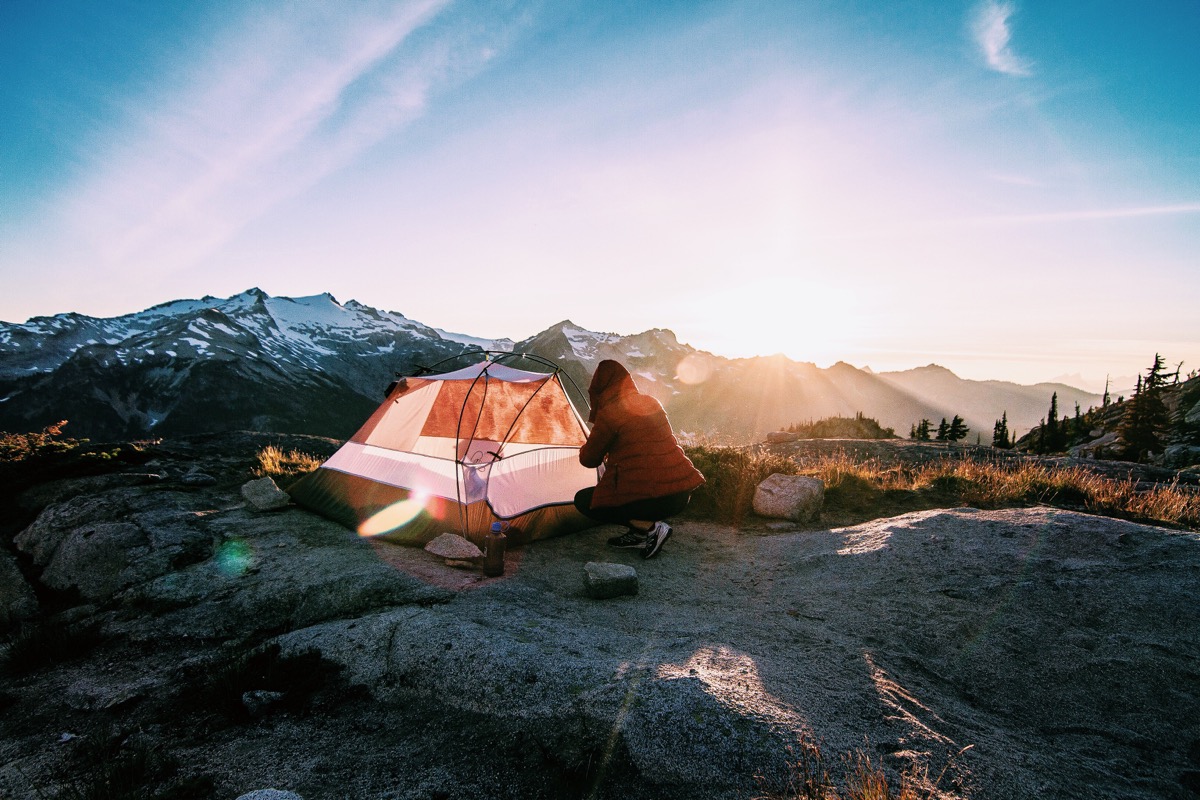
(632, 437)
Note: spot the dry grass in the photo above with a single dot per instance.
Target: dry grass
(731, 475)
(275, 463)
(858, 489)
(808, 777)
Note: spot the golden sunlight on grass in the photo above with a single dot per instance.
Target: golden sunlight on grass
(810, 776)
(857, 489)
(274, 462)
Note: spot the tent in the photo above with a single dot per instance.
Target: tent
(457, 451)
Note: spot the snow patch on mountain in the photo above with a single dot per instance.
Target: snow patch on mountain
(501, 345)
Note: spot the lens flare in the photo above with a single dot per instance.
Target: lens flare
(233, 558)
(694, 369)
(397, 515)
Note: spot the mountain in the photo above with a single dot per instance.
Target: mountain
(314, 365)
(251, 362)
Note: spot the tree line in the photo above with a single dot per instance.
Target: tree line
(1144, 423)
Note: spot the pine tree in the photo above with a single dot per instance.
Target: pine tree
(923, 430)
(957, 430)
(1052, 437)
(942, 431)
(912, 432)
(1146, 419)
(1000, 432)
(1104, 403)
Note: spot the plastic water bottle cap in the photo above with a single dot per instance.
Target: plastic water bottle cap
(497, 527)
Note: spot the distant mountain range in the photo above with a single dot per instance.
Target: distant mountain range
(314, 365)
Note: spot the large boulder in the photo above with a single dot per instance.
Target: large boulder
(104, 543)
(793, 497)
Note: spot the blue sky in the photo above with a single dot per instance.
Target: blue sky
(1011, 190)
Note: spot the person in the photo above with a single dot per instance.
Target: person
(647, 477)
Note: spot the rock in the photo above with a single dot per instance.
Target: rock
(792, 497)
(65, 489)
(782, 437)
(603, 580)
(269, 794)
(96, 559)
(1178, 456)
(283, 570)
(453, 546)
(88, 694)
(264, 495)
(1192, 417)
(198, 479)
(260, 701)
(43, 537)
(1097, 446)
(17, 600)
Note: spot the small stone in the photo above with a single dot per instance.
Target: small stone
(269, 794)
(453, 546)
(460, 563)
(198, 479)
(602, 580)
(259, 701)
(264, 495)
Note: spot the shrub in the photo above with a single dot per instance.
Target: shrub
(731, 475)
(29, 458)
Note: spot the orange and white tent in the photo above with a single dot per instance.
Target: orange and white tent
(456, 452)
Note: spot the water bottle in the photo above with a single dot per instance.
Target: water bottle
(493, 550)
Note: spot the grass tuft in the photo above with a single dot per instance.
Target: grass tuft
(275, 463)
(859, 489)
(808, 776)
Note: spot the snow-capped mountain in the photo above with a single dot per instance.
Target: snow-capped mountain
(249, 361)
(314, 365)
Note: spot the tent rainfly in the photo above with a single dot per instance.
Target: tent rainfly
(457, 451)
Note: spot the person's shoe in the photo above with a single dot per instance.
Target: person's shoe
(632, 539)
(655, 539)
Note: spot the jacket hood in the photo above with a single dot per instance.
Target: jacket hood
(610, 381)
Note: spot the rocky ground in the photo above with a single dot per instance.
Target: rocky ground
(205, 649)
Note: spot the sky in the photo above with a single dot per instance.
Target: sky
(1008, 189)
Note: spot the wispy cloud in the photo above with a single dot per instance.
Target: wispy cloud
(992, 35)
(1090, 215)
(285, 98)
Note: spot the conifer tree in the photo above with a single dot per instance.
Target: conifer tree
(1146, 420)
(1000, 432)
(923, 430)
(942, 431)
(957, 430)
(1052, 437)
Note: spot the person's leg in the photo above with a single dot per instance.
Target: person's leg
(614, 515)
(659, 509)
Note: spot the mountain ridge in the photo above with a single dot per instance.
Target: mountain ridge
(314, 365)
